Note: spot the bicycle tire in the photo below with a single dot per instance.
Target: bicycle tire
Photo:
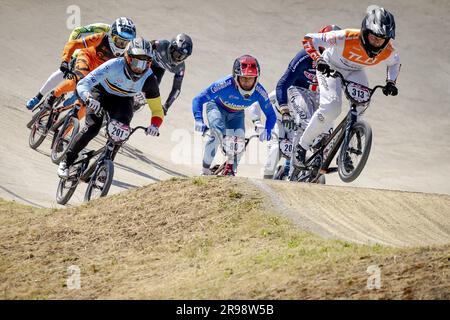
(32, 141)
(108, 167)
(61, 197)
(360, 128)
(56, 156)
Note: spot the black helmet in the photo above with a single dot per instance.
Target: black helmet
(379, 22)
(180, 48)
(138, 58)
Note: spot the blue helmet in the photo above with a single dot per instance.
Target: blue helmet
(122, 32)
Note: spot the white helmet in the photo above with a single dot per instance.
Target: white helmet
(121, 33)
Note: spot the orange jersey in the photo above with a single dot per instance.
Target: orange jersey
(343, 50)
(97, 46)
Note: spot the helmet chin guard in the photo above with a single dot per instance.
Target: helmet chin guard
(246, 66)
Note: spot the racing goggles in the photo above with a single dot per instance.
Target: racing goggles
(180, 56)
(120, 42)
(139, 64)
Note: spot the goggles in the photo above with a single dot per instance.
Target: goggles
(139, 64)
(120, 42)
(179, 56)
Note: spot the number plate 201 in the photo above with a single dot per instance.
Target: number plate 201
(118, 131)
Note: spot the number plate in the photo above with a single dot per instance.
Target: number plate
(286, 147)
(358, 92)
(118, 131)
(233, 145)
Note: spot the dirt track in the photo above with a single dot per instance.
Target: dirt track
(411, 151)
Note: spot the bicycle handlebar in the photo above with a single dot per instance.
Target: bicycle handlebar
(337, 74)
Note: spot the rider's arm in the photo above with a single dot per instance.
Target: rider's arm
(312, 42)
(176, 88)
(90, 41)
(151, 91)
(210, 93)
(393, 67)
(90, 28)
(266, 107)
(293, 72)
(93, 78)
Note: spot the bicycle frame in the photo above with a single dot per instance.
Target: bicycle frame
(342, 131)
(106, 153)
(246, 141)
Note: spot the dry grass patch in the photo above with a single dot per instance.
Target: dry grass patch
(199, 238)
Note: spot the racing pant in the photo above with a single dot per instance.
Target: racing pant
(52, 81)
(273, 147)
(330, 103)
(118, 108)
(222, 123)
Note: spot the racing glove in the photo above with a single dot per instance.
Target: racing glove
(259, 127)
(200, 126)
(65, 68)
(390, 89)
(265, 135)
(94, 105)
(152, 130)
(286, 119)
(323, 66)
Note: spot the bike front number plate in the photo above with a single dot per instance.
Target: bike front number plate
(358, 92)
(118, 131)
(286, 147)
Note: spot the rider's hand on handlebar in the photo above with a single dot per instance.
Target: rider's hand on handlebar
(65, 68)
(390, 89)
(264, 135)
(287, 120)
(259, 127)
(94, 105)
(323, 66)
(152, 130)
(200, 126)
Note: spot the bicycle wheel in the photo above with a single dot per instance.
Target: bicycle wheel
(355, 152)
(34, 118)
(64, 138)
(100, 182)
(66, 188)
(38, 131)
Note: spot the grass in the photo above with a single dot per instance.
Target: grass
(199, 238)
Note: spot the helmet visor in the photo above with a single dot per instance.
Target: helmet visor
(139, 64)
(179, 56)
(120, 42)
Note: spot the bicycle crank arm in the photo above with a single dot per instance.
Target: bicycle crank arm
(328, 170)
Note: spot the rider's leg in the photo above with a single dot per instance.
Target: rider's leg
(303, 103)
(273, 151)
(83, 65)
(52, 81)
(329, 109)
(235, 127)
(216, 121)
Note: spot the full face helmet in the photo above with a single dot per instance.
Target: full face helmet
(380, 23)
(138, 58)
(121, 33)
(246, 66)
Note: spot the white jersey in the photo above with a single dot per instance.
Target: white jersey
(343, 50)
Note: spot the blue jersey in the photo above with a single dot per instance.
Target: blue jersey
(301, 72)
(111, 75)
(225, 94)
